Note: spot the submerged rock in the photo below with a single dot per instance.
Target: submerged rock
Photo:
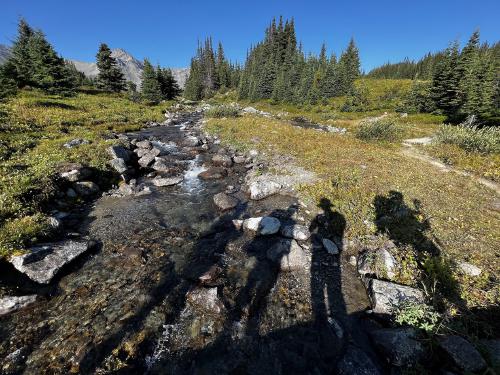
(398, 345)
(225, 202)
(263, 189)
(262, 225)
(43, 262)
(387, 296)
(11, 304)
(462, 353)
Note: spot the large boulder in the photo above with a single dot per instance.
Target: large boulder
(10, 304)
(398, 345)
(119, 165)
(462, 353)
(43, 262)
(296, 231)
(225, 202)
(263, 188)
(162, 165)
(119, 152)
(387, 296)
(377, 263)
(289, 254)
(262, 225)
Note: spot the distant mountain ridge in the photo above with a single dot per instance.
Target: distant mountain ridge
(129, 65)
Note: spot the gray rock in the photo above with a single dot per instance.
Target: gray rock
(11, 304)
(191, 141)
(289, 254)
(222, 161)
(262, 225)
(148, 157)
(119, 165)
(119, 152)
(76, 142)
(140, 152)
(214, 173)
(387, 296)
(238, 224)
(469, 269)
(54, 222)
(356, 362)
(43, 262)
(330, 246)
(462, 353)
(71, 193)
(296, 231)
(161, 165)
(166, 181)
(239, 159)
(377, 263)
(86, 188)
(263, 189)
(225, 202)
(144, 144)
(75, 172)
(398, 345)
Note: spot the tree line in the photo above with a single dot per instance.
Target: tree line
(276, 68)
(35, 63)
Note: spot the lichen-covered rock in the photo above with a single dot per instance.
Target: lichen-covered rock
(222, 160)
(43, 262)
(166, 181)
(119, 152)
(74, 172)
(469, 269)
(263, 189)
(213, 174)
(119, 165)
(148, 157)
(387, 296)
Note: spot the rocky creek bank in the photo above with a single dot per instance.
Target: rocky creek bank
(202, 261)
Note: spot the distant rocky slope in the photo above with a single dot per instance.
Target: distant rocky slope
(130, 66)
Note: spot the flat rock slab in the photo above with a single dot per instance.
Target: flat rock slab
(462, 353)
(387, 296)
(166, 181)
(11, 304)
(225, 202)
(43, 262)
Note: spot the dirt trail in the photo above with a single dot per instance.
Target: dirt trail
(411, 151)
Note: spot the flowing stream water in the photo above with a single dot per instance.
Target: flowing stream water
(175, 288)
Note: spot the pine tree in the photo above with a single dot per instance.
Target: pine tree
(110, 78)
(150, 87)
(8, 86)
(21, 58)
(193, 89)
(349, 66)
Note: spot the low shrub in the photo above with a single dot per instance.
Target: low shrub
(222, 111)
(383, 129)
(470, 138)
(417, 315)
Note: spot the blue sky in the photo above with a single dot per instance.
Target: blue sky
(167, 31)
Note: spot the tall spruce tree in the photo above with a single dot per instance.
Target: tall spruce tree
(110, 77)
(21, 59)
(150, 87)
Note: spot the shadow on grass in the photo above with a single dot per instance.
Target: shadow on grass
(49, 104)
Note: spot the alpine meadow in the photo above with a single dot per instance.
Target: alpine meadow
(262, 210)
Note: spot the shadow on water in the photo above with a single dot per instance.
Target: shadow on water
(308, 347)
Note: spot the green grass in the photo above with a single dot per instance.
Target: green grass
(33, 129)
(354, 175)
(470, 138)
(383, 129)
(220, 111)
